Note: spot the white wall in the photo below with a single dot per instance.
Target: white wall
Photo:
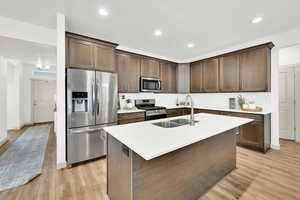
(25, 31)
(289, 55)
(15, 110)
(3, 100)
(19, 93)
(60, 93)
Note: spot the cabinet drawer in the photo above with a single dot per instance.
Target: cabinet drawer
(128, 116)
(175, 112)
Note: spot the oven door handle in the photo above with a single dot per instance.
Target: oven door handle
(159, 85)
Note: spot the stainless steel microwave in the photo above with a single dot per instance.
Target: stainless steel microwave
(150, 84)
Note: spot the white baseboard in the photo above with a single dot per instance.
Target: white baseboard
(61, 165)
(276, 147)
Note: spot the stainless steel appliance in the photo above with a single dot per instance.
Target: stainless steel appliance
(151, 111)
(92, 103)
(150, 84)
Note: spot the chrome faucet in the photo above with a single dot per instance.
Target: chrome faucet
(192, 123)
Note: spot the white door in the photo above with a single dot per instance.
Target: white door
(287, 103)
(43, 100)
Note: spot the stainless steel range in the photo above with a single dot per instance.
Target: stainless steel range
(151, 111)
(92, 103)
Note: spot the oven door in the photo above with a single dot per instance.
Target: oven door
(150, 84)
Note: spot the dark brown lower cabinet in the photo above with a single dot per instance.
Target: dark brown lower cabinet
(252, 135)
(126, 118)
(255, 135)
(175, 112)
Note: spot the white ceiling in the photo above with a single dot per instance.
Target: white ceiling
(209, 24)
(28, 52)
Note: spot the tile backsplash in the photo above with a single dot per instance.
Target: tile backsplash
(221, 100)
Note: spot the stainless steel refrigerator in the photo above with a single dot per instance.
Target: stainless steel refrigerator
(92, 103)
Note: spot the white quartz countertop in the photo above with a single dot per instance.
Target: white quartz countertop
(150, 141)
(121, 111)
(264, 112)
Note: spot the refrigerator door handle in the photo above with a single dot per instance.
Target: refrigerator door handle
(93, 97)
(97, 98)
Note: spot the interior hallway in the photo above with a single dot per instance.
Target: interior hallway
(274, 176)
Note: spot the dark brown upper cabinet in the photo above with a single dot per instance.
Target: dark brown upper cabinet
(168, 76)
(196, 75)
(246, 70)
(255, 70)
(229, 73)
(104, 58)
(150, 67)
(211, 75)
(128, 67)
(80, 54)
(88, 53)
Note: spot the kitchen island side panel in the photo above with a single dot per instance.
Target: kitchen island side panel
(119, 170)
(187, 173)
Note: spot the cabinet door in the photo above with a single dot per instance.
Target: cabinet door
(128, 66)
(252, 134)
(229, 73)
(254, 70)
(211, 75)
(104, 58)
(150, 68)
(168, 74)
(80, 54)
(196, 77)
(174, 112)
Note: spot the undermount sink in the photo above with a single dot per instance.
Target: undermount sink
(173, 123)
(183, 121)
(166, 124)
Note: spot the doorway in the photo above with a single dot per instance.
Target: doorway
(287, 103)
(43, 100)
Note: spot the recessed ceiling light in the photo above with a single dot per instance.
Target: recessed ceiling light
(256, 20)
(190, 45)
(47, 67)
(103, 12)
(39, 65)
(157, 32)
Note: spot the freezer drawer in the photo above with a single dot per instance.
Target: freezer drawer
(85, 144)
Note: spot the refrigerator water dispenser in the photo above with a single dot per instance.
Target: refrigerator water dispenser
(79, 102)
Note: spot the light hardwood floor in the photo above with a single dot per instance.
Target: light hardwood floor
(271, 176)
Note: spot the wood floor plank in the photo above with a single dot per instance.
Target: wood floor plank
(271, 176)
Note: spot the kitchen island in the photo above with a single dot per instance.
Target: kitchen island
(146, 161)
